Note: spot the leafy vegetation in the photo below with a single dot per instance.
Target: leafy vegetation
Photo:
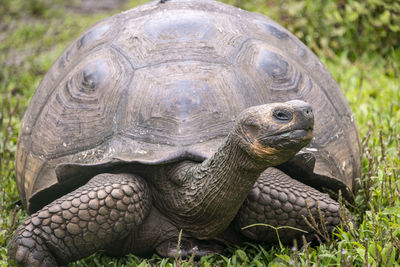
(334, 26)
(358, 41)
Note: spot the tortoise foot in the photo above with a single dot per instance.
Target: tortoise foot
(28, 249)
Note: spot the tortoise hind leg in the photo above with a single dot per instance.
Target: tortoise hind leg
(106, 209)
(278, 200)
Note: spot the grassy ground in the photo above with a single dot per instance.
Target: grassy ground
(33, 33)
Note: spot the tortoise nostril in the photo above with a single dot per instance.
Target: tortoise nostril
(309, 116)
(308, 113)
(282, 115)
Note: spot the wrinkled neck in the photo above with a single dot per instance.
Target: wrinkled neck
(208, 195)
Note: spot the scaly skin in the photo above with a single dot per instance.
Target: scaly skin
(107, 208)
(278, 200)
(201, 198)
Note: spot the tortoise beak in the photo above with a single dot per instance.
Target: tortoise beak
(304, 112)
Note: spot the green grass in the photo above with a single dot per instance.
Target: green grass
(33, 35)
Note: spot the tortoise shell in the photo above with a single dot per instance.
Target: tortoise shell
(164, 82)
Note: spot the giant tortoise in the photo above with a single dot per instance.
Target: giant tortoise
(177, 115)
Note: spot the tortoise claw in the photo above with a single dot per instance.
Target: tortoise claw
(28, 252)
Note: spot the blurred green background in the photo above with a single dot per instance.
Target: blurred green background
(337, 26)
(359, 42)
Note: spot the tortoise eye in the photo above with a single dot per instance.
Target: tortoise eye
(282, 115)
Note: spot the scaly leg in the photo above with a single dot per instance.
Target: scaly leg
(104, 210)
(278, 200)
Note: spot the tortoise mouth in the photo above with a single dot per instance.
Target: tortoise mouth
(295, 134)
(291, 138)
(301, 134)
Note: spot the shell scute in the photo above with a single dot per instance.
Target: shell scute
(97, 35)
(179, 35)
(81, 111)
(181, 104)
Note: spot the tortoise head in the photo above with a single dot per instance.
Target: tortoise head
(273, 133)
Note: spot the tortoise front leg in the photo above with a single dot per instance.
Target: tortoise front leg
(278, 200)
(106, 209)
